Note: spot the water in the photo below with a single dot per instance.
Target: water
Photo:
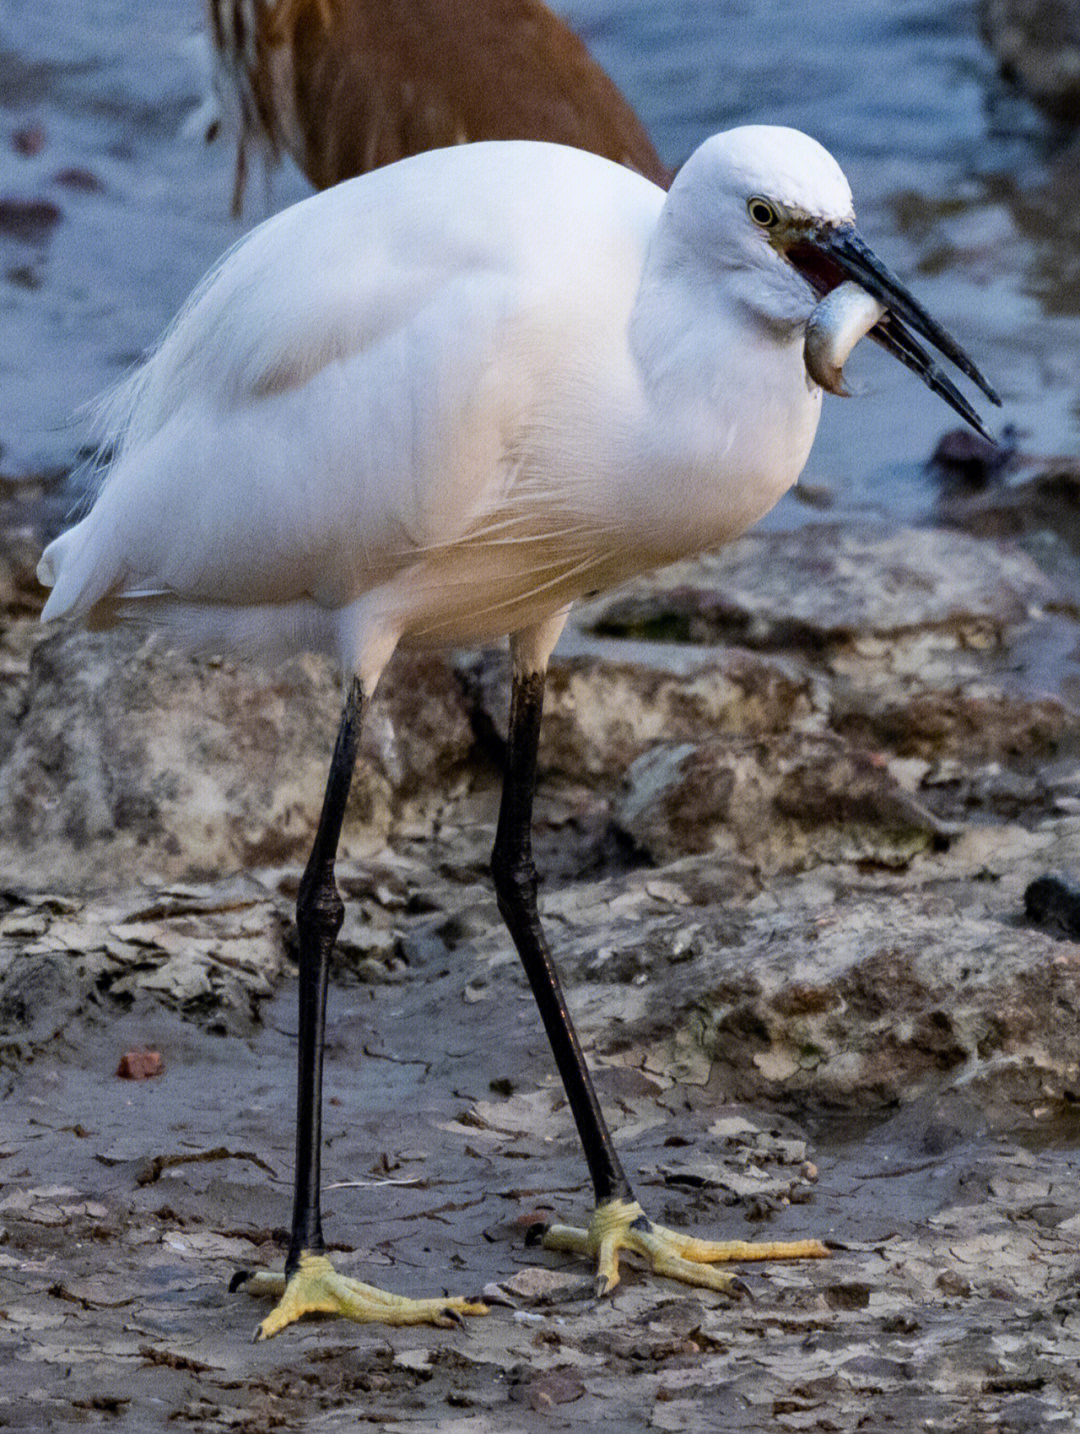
(939, 155)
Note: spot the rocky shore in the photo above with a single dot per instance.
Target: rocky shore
(1037, 44)
(793, 797)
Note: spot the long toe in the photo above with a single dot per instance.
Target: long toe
(619, 1225)
(317, 1288)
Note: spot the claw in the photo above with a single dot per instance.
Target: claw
(315, 1287)
(622, 1225)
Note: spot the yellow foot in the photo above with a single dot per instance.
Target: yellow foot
(623, 1225)
(317, 1288)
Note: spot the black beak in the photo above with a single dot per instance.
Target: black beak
(830, 255)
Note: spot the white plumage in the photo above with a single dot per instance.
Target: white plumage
(437, 403)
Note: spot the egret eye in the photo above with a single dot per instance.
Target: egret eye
(762, 212)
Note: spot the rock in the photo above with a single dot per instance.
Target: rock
(28, 140)
(1046, 498)
(893, 641)
(19, 592)
(1037, 44)
(827, 585)
(212, 952)
(542, 1392)
(74, 176)
(30, 220)
(129, 759)
(853, 991)
(140, 1065)
(959, 724)
(796, 801)
(965, 459)
(912, 994)
(1053, 902)
(535, 1285)
(601, 712)
(21, 595)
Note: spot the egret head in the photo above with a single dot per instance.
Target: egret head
(773, 203)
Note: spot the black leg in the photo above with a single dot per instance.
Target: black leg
(319, 914)
(515, 885)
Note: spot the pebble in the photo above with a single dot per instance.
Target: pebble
(1053, 902)
(140, 1065)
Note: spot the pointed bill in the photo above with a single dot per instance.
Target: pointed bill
(829, 255)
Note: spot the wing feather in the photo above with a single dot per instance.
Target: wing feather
(354, 383)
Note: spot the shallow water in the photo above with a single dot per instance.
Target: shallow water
(904, 94)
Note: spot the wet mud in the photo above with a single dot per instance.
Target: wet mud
(802, 966)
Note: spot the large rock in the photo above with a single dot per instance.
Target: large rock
(605, 709)
(1037, 499)
(1037, 44)
(212, 952)
(826, 585)
(958, 724)
(130, 760)
(795, 802)
(124, 760)
(929, 649)
(886, 998)
(835, 989)
(30, 508)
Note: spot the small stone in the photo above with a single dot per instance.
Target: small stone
(531, 1218)
(28, 140)
(852, 1295)
(555, 1386)
(75, 177)
(963, 457)
(949, 1282)
(494, 1294)
(140, 1065)
(31, 220)
(418, 1360)
(667, 891)
(775, 1065)
(1053, 902)
(536, 1285)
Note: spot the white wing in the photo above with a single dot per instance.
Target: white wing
(351, 385)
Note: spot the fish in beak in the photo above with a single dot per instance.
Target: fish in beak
(826, 256)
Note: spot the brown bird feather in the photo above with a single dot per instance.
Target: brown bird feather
(344, 86)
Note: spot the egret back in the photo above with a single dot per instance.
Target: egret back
(357, 381)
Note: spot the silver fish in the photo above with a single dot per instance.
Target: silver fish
(843, 317)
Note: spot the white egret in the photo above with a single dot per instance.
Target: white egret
(434, 406)
(344, 86)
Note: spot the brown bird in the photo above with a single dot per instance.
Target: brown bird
(344, 86)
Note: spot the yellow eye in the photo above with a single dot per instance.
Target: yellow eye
(762, 212)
